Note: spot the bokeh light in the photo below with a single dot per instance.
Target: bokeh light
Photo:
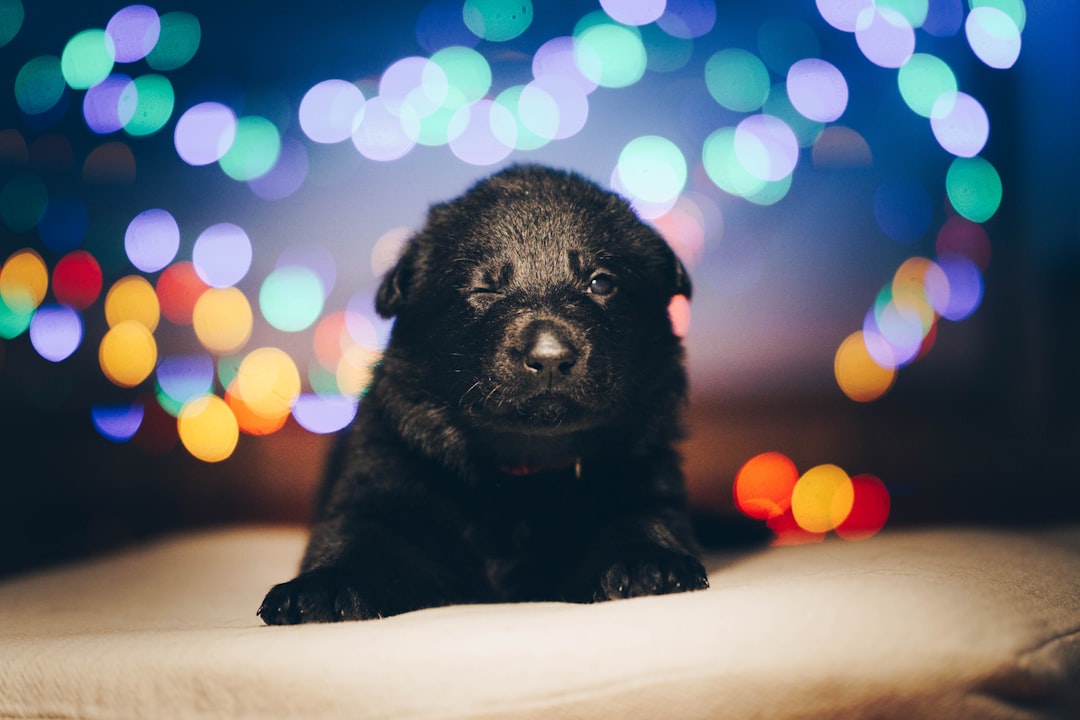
(497, 20)
(869, 510)
(110, 105)
(181, 378)
(288, 174)
(24, 280)
(784, 40)
(763, 485)
(254, 150)
(291, 298)
(974, 188)
(884, 36)
(965, 286)
(323, 414)
(843, 14)
(12, 15)
(1015, 9)
(964, 237)
(117, 423)
(178, 40)
(482, 133)
(204, 133)
(152, 239)
(384, 136)
(222, 255)
(766, 147)
(87, 59)
(993, 36)
(56, 331)
(132, 298)
(154, 105)
(737, 79)
(39, 85)
(331, 110)
(208, 428)
(922, 80)
(859, 376)
(817, 89)
(222, 320)
(608, 53)
(133, 32)
(652, 169)
(268, 382)
(634, 12)
(960, 124)
(178, 288)
(77, 280)
(128, 353)
(822, 498)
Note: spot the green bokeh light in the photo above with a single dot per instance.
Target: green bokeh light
(39, 85)
(914, 11)
(22, 202)
(11, 20)
(974, 188)
(723, 166)
(737, 79)
(652, 168)
(467, 71)
(1013, 8)
(179, 39)
(154, 105)
(607, 53)
(13, 322)
(255, 150)
(291, 298)
(87, 59)
(497, 20)
(539, 113)
(922, 80)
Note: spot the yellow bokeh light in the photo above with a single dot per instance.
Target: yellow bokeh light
(354, 370)
(250, 421)
(858, 375)
(128, 353)
(268, 382)
(222, 319)
(132, 298)
(24, 280)
(909, 290)
(822, 498)
(208, 428)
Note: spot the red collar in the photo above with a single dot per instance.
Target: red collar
(524, 470)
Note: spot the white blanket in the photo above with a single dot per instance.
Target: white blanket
(943, 624)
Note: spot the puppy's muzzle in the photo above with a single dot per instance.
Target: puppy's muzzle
(548, 353)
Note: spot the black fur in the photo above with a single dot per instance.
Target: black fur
(516, 442)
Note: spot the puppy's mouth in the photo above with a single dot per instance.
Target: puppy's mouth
(543, 414)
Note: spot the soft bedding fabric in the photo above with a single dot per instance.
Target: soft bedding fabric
(941, 623)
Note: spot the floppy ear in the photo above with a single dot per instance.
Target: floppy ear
(395, 284)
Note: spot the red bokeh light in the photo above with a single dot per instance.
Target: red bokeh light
(77, 280)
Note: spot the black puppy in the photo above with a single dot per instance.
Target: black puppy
(516, 439)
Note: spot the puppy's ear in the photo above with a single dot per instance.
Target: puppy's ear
(396, 283)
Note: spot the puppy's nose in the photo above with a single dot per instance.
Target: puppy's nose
(550, 355)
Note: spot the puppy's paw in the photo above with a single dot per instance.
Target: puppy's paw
(650, 571)
(324, 595)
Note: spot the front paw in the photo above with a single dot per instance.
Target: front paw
(324, 595)
(649, 571)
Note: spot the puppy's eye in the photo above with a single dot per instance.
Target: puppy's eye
(601, 284)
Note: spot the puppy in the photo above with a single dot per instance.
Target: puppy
(516, 441)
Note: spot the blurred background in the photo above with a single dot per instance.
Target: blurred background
(877, 200)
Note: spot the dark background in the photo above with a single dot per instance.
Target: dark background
(985, 429)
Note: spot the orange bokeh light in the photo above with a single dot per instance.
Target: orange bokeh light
(764, 484)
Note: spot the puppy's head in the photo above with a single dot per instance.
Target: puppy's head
(536, 304)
